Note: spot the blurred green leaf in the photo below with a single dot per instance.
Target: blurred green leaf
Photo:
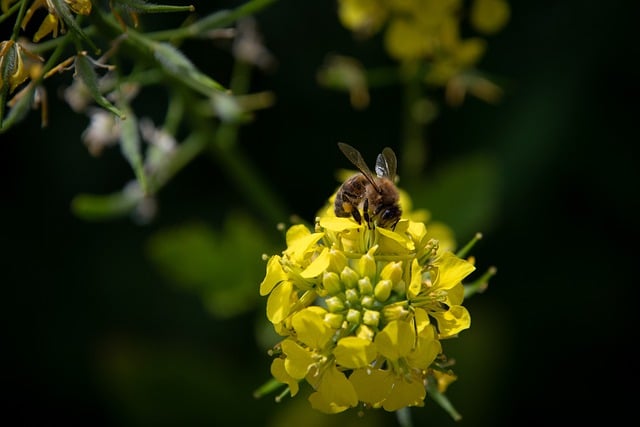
(224, 267)
(463, 194)
(130, 146)
(63, 10)
(176, 64)
(93, 207)
(164, 383)
(141, 6)
(86, 71)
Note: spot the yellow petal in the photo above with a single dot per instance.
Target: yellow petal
(299, 360)
(320, 403)
(49, 25)
(452, 321)
(425, 353)
(280, 373)
(280, 301)
(372, 385)
(336, 389)
(336, 224)
(405, 394)
(451, 270)
(395, 340)
(311, 328)
(394, 242)
(416, 279)
(354, 352)
(318, 265)
(275, 274)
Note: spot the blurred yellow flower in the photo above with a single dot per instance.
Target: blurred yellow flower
(52, 23)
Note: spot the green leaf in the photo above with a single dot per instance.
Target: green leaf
(85, 69)
(223, 267)
(130, 147)
(141, 6)
(20, 109)
(63, 10)
(176, 64)
(464, 194)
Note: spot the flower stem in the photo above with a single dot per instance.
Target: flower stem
(404, 417)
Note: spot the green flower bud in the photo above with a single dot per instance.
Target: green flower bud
(349, 277)
(367, 265)
(383, 289)
(335, 304)
(365, 332)
(371, 318)
(352, 296)
(353, 316)
(334, 320)
(368, 301)
(337, 260)
(395, 312)
(364, 286)
(331, 282)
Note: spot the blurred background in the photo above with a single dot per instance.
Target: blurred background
(122, 323)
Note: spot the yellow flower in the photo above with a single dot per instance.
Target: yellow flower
(52, 22)
(489, 16)
(428, 31)
(17, 65)
(362, 310)
(363, 16)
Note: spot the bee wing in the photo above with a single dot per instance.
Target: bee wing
(355, 157)
(387, 164)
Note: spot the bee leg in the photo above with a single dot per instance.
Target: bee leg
(356, 215)
(365, 212)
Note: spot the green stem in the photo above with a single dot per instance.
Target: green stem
(213, 21)
(414, 149)
(464, 251)
(480, 285)
(188, 150)
(10, 12)
(404, 417)
(18, 23)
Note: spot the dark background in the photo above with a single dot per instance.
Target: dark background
(92, 333)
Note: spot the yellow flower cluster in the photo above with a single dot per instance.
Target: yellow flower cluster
(52, 23)
(362, 311)
(427, 30)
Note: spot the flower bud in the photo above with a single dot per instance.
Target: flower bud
(368, 301)
(365, 332)
(364, 286)
(352, 296)
(395, 312)
(349, 277)
(392, 271)
(331, 282)
(353, 316)
(335, 304)
(382, 290)
(367, 265)
(337, 260)
(334, 320)
(371, 318)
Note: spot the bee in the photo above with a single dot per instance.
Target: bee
(377, 197)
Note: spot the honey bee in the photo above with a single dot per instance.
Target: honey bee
(376, 196)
